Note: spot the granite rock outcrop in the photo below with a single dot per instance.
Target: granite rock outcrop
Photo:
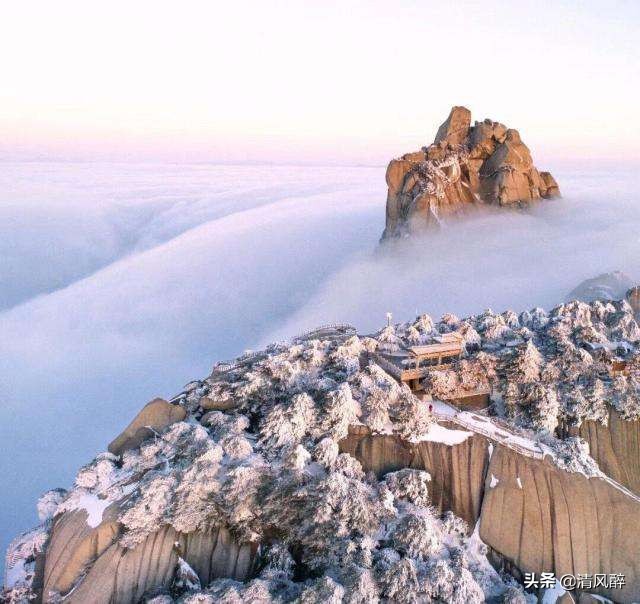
(156, 415)
(466, 165)
(535, 516)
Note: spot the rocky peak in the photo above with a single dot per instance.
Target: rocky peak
(455, 129)
(465, 165)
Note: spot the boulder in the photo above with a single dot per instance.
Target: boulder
(211, 403)
(74, 545)
(466, 165)
(155, 415)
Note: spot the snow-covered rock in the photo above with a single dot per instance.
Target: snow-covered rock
(315, 476)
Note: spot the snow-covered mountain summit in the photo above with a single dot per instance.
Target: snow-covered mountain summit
(307, 472)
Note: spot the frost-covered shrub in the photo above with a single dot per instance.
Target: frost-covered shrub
(237, 447)
(532, 405)
(99, 474)
(526, 364)
(239, 500)
(323, 514)
(151, 510)
(296, 459)
(424, 324)
(515, 595)
(411, 417)
(417, 536)
(376, 410)
(626, 397)
(185, 578)
(21, 594)
(278, 562)
(326, 452)
(49, 502)
(220, 591)
(572, 454)
(348, 466)
(399, 582)
(286, 424)
(445, 583)
(190, 488)
(454, 525)
(340, 411)
(345, 359)
(410, 485)
(322, 591)
(361, 587)
(542, 406)
(388, 339)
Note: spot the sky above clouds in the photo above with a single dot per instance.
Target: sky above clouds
(312, 82)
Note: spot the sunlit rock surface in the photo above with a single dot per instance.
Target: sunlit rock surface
(534, 515)
(465, 165)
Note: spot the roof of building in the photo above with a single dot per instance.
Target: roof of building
(436, 349)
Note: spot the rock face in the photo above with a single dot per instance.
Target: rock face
(155, 415)
(88, 563)
(534, 515)
(616, 448)
(633, 298)
(457, 473)
(466, 165)
(539, 517)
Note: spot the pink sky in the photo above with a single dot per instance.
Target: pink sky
(311, 82)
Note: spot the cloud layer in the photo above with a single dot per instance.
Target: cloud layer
(125, 282)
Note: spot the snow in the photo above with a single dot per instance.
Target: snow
(16, 574)
(553, 594)
(612, 346)
(20, 558)
(442, 409)
(273, 459)
(476, 551)
(94, 506)
(601, 599)
(440, 434)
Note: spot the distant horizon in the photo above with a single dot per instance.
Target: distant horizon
(305, 83)
(603, 163)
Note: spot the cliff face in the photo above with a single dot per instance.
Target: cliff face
(91, 566)
(616, 448)
(536, 516)
(542, 518)
(466, 165)
(457, 472)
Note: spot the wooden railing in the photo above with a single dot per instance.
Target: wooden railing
(349, 330)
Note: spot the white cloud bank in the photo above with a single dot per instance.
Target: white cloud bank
(192, 265)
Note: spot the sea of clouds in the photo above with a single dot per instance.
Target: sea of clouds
(122, 282)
